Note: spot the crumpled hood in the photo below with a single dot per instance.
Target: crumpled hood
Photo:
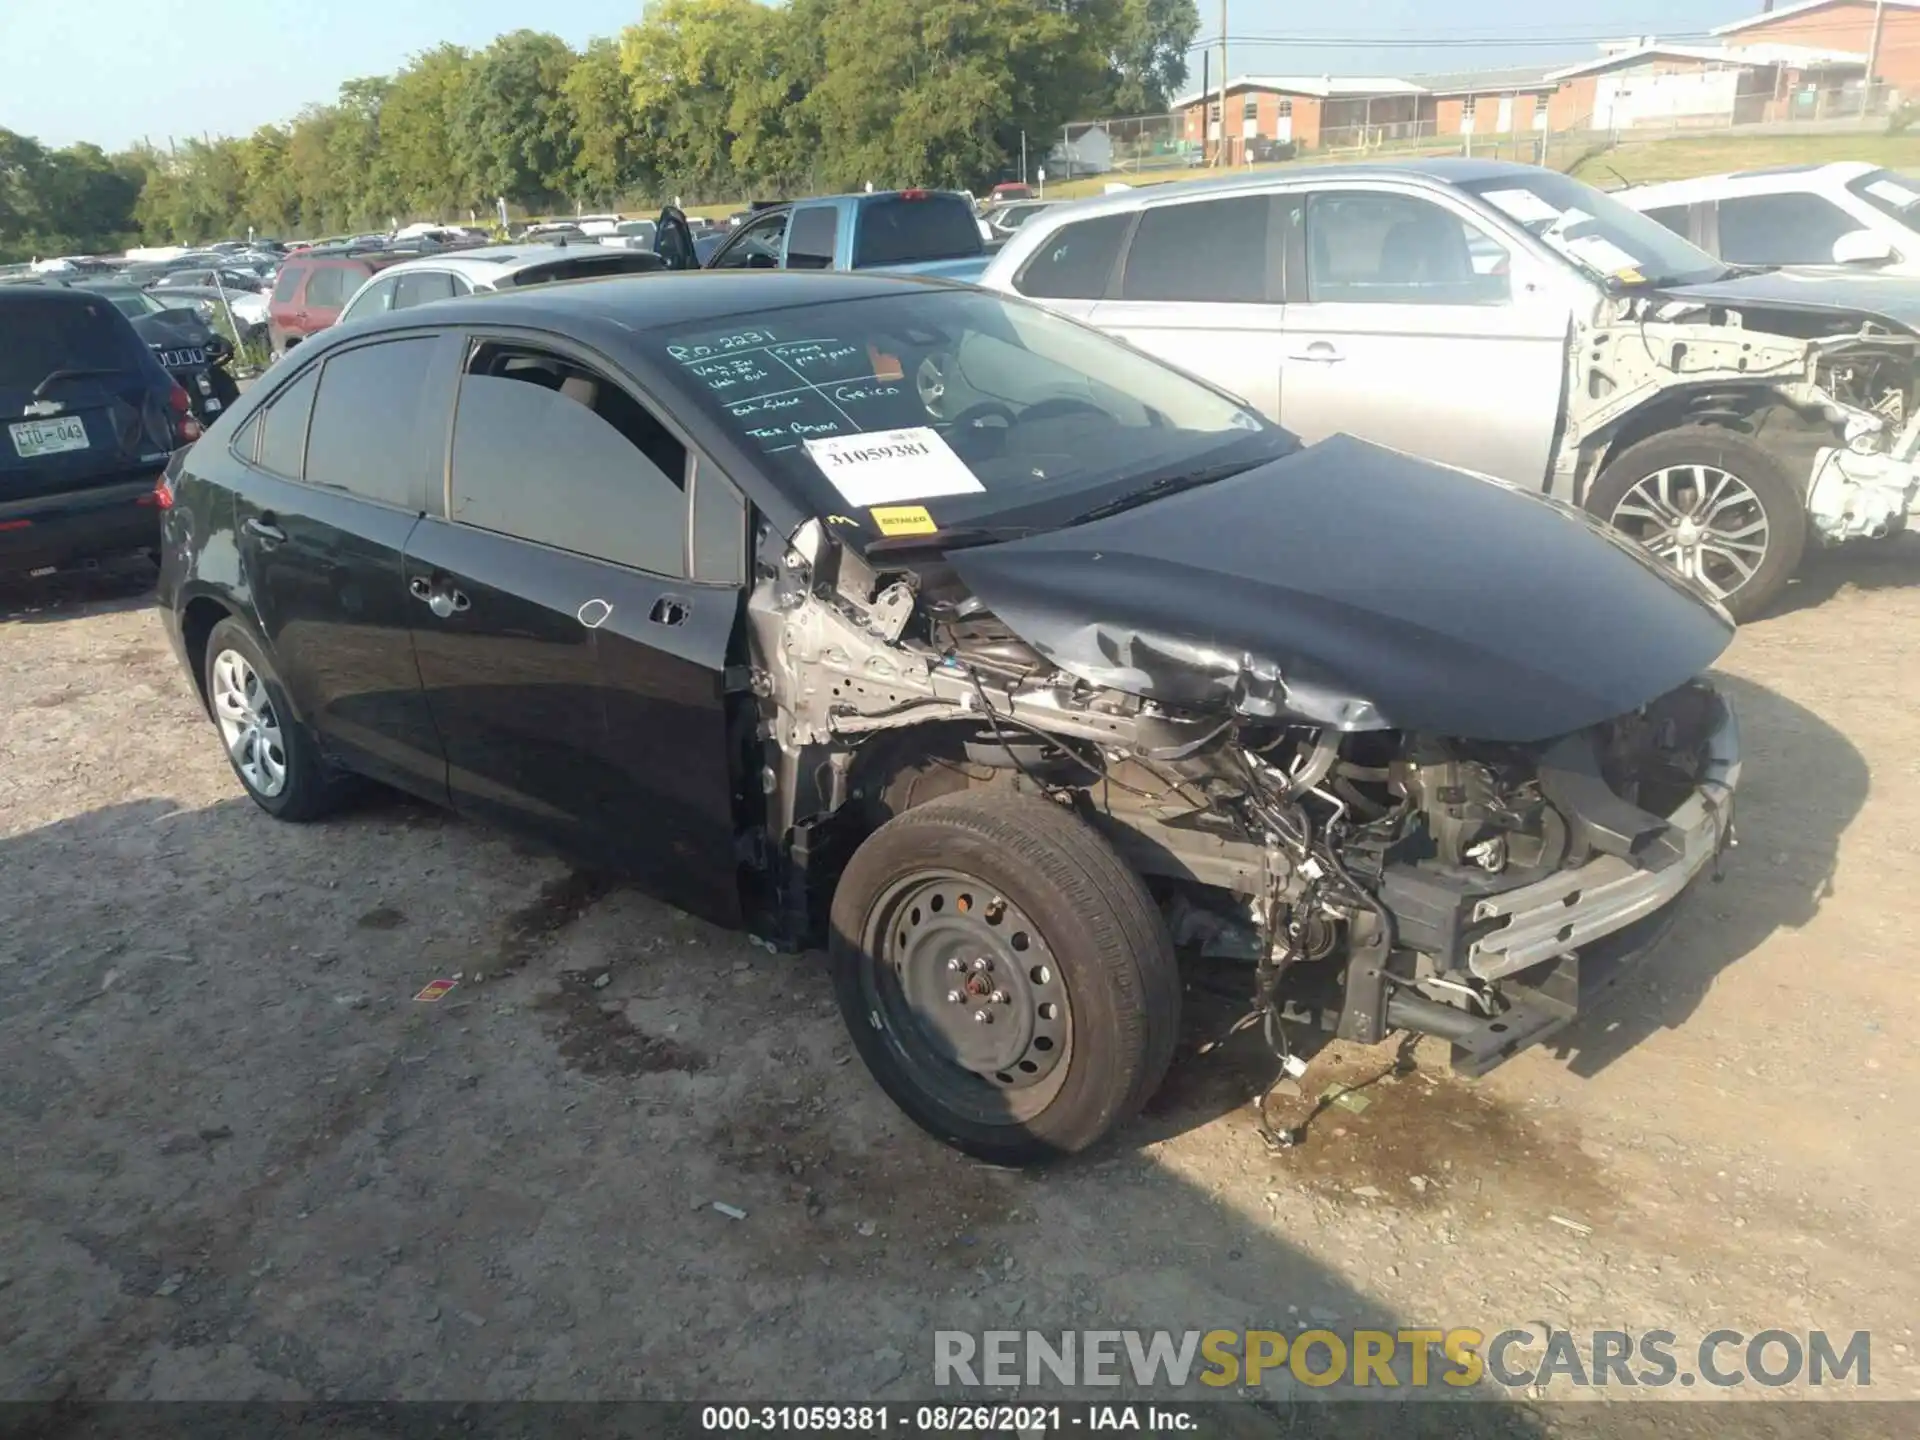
(1356, 586)
(1891, 299)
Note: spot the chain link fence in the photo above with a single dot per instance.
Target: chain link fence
(1161, 146)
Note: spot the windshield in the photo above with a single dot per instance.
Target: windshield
(955, 408)
(134, 303)
(1891, 194)
(1594, 231)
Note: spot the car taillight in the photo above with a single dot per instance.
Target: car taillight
(186, 429)
(161, 497)
(913, 194)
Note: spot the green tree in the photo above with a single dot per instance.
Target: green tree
(683, 65)
(1149, 54)
(513, 130)
(609, 156)
(417, 135)
(937, 92)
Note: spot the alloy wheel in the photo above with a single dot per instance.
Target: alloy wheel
(248, 724)
(1705, 522)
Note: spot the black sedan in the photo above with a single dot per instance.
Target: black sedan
(1002, 661)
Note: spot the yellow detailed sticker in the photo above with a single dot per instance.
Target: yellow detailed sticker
(1629, 277)
(903, 520)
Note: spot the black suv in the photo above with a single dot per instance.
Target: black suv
(90, 420)
(994, 656)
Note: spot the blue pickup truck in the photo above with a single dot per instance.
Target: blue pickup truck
(905, 232)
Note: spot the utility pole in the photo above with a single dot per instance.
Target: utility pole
(1225, 155)
(1873, 47)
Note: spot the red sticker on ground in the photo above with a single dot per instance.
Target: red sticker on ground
(436, 990)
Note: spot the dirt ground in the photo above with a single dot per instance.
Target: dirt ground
(241, 1160)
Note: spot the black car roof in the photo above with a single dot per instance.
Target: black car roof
(40, 294)
(651, 301)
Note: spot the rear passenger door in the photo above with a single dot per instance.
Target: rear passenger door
(572, 654)
(1200, 287)
(337, 473)
(1410, 324)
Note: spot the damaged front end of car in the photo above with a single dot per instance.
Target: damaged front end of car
(1419, 751)
(1803, 362)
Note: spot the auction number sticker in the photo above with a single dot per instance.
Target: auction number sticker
(892, 465)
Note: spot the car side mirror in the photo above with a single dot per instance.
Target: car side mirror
(1863, 247)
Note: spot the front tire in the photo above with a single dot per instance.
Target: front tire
(1712, 504)
(271, 753)
(1005, 976)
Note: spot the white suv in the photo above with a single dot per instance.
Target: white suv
(1847, 213)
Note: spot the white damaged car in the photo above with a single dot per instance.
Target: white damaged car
(1512, 321)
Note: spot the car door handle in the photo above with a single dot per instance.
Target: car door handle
(670, 610)
(264, 527)
(444, 601)
(1319, 353)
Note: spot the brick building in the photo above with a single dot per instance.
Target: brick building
(1704, 86)
(1841, 25)
(1308, 110)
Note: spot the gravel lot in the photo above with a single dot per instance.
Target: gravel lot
(242, 1161)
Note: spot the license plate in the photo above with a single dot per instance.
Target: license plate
(48, 437)
(182, 359)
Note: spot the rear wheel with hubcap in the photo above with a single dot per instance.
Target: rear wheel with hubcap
(1006, 977)
(270, 751)
(1713, 504)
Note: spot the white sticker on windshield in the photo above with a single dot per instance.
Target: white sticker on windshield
(892, 465)
(1600, 253)
(1523, 205)
(1892, 193)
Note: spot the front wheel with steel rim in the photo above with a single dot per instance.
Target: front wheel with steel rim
(269, 750)
(1713, 505)
(1005, 975)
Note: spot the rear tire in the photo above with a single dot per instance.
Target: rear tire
(271, 753)
(1079, 983)
(1710, 502)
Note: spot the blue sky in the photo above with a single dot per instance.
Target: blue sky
(112, 71)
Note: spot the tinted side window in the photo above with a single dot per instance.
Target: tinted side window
(288, 285)
(374, 300)
(1370, 247)
(547, 450)
(365, 418)
(1216, 250)
(411, 290)
(327, 286)
(1791, 229)
(816, 230)
(284, 437)
(1075, 261)
(1674, 217)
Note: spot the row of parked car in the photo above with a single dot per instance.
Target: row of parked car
(1310, 572)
